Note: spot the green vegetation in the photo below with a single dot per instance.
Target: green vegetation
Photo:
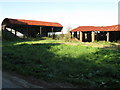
(84, 66)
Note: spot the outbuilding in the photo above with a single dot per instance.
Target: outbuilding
(31, 28)
(92, 33)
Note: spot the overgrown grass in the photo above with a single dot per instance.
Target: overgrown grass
(80, 65)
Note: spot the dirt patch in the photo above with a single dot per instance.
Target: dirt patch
(94, 44)
(41, 83)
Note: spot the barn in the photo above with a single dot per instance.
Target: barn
(92, 33)
(31, 28)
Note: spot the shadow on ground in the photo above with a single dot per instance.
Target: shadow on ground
(91, 70)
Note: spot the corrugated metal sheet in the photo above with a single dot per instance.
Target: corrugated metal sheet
(31, 22)
(93, 28)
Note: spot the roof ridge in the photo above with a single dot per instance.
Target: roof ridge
(33, 22)
(94, 28)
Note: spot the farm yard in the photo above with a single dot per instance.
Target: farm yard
(85, 65)
(63, 44)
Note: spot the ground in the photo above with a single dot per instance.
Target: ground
(73, 64)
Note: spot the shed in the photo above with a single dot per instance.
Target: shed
(91, 33)
(31, 28)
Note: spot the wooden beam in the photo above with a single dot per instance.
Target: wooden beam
(81, 36)
(108, 36)
(93, 36)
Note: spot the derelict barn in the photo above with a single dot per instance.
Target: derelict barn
(92, 33)
(31, 28)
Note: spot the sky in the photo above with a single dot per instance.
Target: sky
(69, 13)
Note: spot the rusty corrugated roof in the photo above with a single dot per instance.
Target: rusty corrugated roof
(32, 22)
(94, 28)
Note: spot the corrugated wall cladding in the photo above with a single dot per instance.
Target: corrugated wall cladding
(30, 22)
(93, 28)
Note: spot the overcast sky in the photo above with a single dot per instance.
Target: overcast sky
(72, 13)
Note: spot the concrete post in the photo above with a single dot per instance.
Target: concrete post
(108, 34)
(81, 36)
(93, 36)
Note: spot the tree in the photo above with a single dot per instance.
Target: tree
(69, 27)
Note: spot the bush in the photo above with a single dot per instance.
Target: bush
(59, 37)
(64, 37)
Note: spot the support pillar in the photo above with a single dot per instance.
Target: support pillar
(40, 32)
(108, 36)
(81, 36)
(93, 36)
(52, 33)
